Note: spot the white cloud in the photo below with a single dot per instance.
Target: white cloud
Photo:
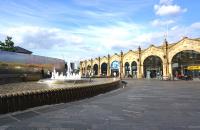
(166, 7)
(196, 25)
(35, 37)
(174, 28)
(120, 34)
(163, 10)
(94, 41)
(166, 2)
(158, 22)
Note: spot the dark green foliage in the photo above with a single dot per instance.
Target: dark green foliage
(8, 45)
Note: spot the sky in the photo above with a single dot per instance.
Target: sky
(83, 29)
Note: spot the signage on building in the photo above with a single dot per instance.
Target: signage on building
(175, 65)
(115, 65)
(193, 67)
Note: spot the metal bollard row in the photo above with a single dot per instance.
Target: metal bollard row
(23, 100)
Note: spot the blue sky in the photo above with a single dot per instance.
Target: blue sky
(84, 29)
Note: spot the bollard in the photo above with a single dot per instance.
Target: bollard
(71, 95)
(76, 93)
(93, 91)
(3, 108)
(64, 95)
(13, 102)
(50, 94)
(57, 95)
(61, 95)
(79, 93)
(29, 99)
(39, 97)
(17, 101)
(90, 91)
(80, 96)
(43, 94)
(87, 91)
(82, 92)
(34, 98)
(48, 97)
(67, 94)
(53, 96)
(24, 101)
(9, 101)
(1, 103)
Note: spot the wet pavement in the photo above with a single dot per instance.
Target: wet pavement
(141, 105)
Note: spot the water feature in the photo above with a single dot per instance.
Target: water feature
(63, 78)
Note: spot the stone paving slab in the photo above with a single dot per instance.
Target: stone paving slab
(142, 105)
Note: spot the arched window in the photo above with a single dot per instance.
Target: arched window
(153, 67)
(95, 69)
(104, 69)
(127, 69)
(115, 65)
(186, 65)
(134, 69)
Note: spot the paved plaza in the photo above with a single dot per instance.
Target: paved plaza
(141, 105)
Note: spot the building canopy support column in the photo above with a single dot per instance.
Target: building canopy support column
(139, 65)
(121, 65)
(108, 66)
(166, 74)
(99, 71)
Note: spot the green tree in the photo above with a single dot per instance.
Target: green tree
(8, 45)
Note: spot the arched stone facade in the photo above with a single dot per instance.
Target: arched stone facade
(104, 60)
(184, 44)
(165, 52)
(115, 57)
(129, 57)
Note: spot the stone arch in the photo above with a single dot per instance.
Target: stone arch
(153, 67)
(130, 57)
(186, 65)
(88, 70)
(83, 68)
(183, 45)
(95, 61)
(83, 64)
(152, 50)
(104, 60)
(95, 69)
(115, 57)
(115, 68)
(88, 67)
(104, 69)
(83, 71)
(127, 69)
(134, 69)
(89, 63)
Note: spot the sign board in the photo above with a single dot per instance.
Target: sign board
(193, 67)
(115, 65)
(175, 65)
